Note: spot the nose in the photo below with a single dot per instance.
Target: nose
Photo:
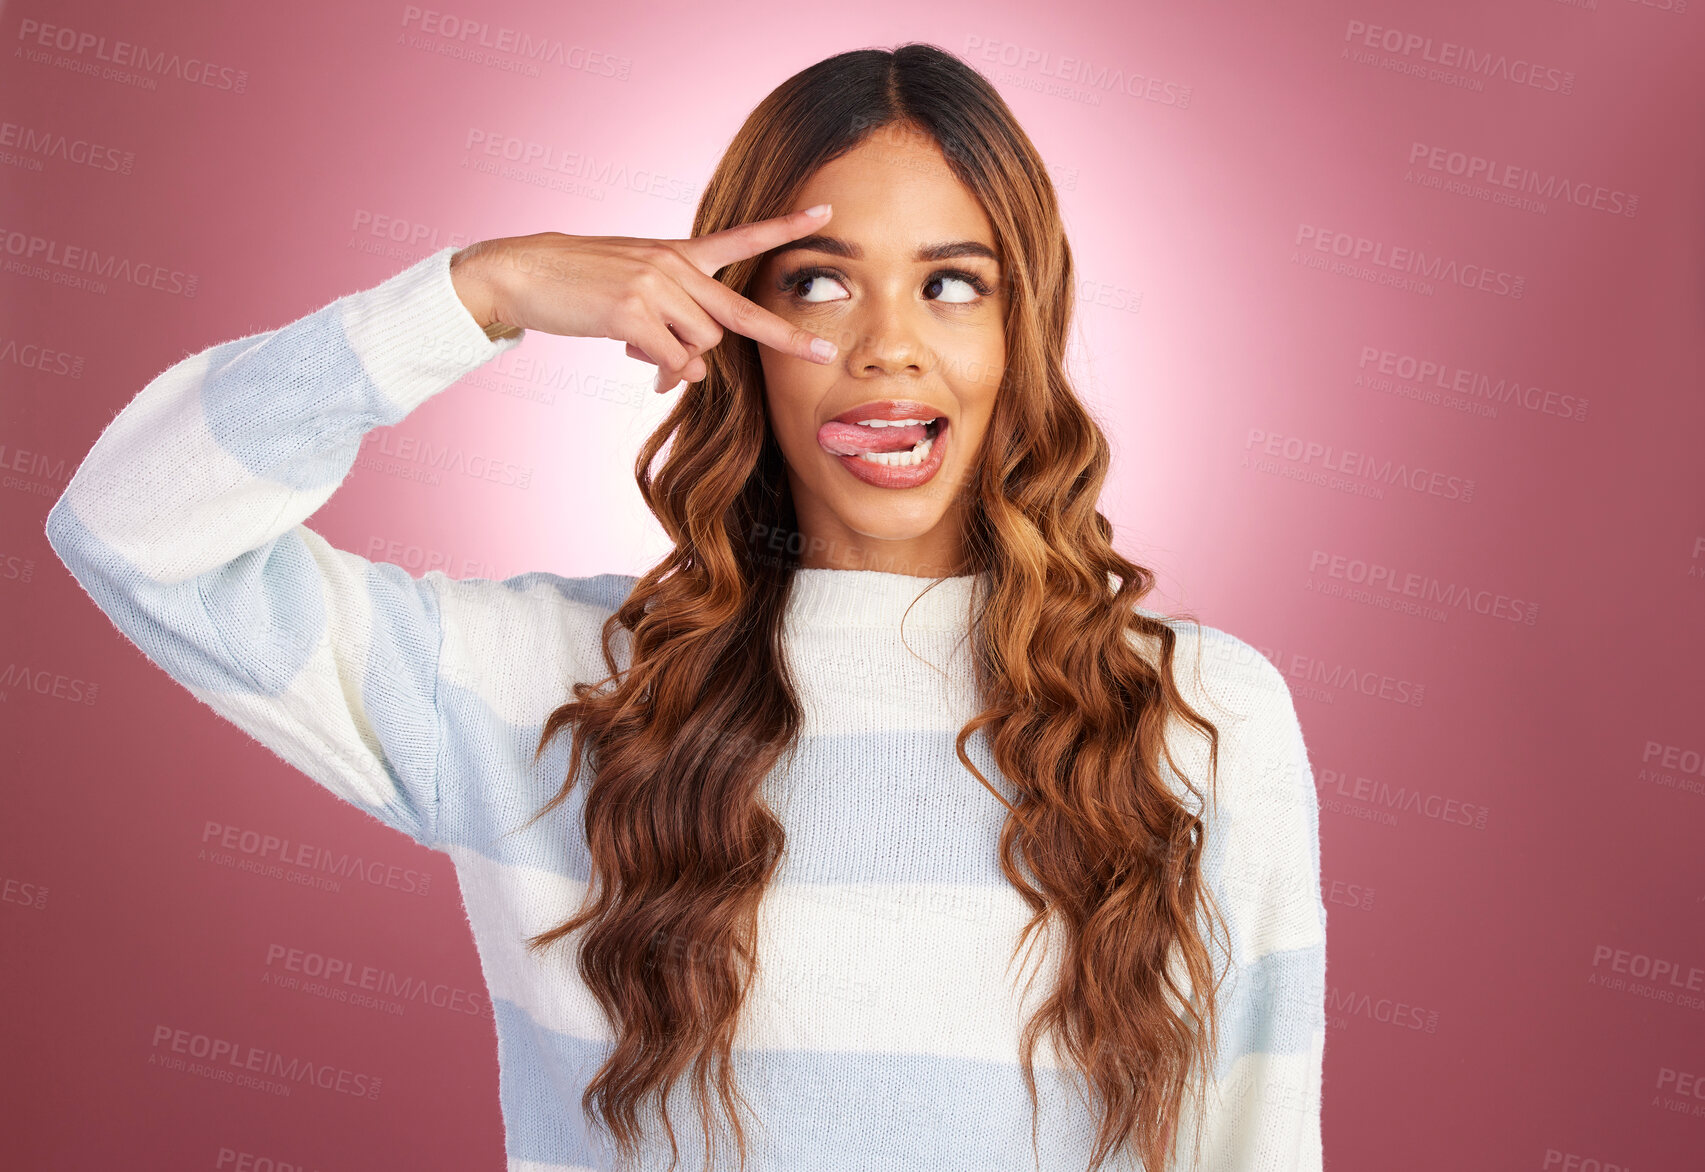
(887, 339)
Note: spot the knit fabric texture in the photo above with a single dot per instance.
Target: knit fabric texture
(881, 1031)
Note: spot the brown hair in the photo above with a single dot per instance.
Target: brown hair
(1076, 681)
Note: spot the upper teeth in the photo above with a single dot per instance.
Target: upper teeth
(892, 422)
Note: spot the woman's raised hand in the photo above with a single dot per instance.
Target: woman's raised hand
(658, 296)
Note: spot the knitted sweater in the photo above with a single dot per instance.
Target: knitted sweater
(881, 1031)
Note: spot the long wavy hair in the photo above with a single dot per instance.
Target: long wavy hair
(1076, 682)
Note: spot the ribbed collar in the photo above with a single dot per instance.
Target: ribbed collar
(876, 598)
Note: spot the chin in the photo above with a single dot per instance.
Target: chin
(889, 520)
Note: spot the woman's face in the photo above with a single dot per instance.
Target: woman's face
(918, 339)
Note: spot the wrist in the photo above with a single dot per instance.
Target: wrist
(471, 276)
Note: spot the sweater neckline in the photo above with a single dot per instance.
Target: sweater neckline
(825, 598)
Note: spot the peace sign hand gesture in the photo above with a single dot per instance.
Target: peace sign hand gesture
(658, 296)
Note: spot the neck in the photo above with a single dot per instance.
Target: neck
(821, 596)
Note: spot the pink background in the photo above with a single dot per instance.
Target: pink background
(1511, 788)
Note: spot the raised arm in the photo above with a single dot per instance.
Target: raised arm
(184, 523)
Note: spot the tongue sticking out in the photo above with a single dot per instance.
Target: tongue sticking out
(849, 439)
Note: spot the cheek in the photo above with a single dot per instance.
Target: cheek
(982, 369)
(790, 399)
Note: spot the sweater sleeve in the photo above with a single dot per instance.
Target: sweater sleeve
(184, 523)
(1268, 1116)
(1264, 1099)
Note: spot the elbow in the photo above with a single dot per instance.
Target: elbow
(62, 529)
(75, 545)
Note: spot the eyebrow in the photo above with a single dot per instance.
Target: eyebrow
(835, 246)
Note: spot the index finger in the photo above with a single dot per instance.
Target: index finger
(719, 249)
(744, 316)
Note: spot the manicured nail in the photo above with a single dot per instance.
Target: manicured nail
(822, 349)
(821, 209)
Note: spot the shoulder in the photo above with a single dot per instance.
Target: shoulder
(1266, 812)
(1217, 669)
(1263, 766)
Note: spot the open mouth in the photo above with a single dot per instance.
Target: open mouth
(888, 431)
(893, 445)
(899, 445)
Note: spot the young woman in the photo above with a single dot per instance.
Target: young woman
(756, 837)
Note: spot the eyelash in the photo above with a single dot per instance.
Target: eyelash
(792, 281)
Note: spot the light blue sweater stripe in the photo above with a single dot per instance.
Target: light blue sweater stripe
(315, 379)
(249, 626)
(889, 1109)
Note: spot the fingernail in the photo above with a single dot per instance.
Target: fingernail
(821, 209)
(822, 349)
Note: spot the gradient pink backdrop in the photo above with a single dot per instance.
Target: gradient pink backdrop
(1512, 801)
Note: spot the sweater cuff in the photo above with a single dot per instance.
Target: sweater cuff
(414, 336)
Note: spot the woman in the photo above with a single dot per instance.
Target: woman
(756, 836)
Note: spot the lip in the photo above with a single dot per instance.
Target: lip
(890, 409)
(888, 476)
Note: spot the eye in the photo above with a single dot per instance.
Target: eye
(805, 276)
(791, 283)
(978, 286)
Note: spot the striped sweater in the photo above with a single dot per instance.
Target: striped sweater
(882, 1029)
